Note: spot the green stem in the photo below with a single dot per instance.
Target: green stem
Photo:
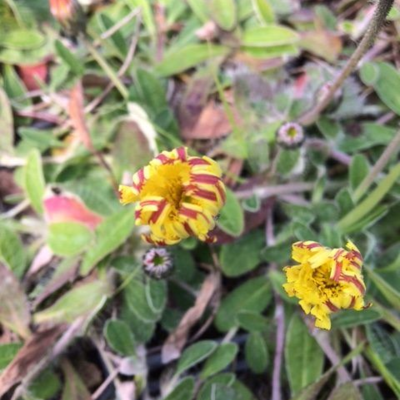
(391, 149)
(107, 69)
(368, 205)
(378, 19)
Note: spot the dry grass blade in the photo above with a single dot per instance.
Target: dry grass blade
(34, 350)
(173, 346)
(14, 311)
(76, 113)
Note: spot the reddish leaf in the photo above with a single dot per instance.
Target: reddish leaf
(76, 113)
(34, 73)
(68, 208)
(212, 123)
(324, 44)
(42, 258)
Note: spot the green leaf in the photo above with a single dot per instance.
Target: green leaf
(252, 322)
(68, 239)
(183, 391)
(116, 40)
(14, 310)
(330, 128)
(369, 73)
(256, 353)
(199, 9)
(22, 39)
(264, 12)
(389, 292)
(223, 12)
(359, 169)
(69, 58)
(303, 232)
(287, 160)
(147, 14)
(156, 294)
(194, 354)
(119, 337)
(142, 331)
(149, 91)
(110, 234)
(269, 36)
(34, 180)
(253, 295)
(213, 387)
(45, 386)
(347, 391)
(231, 218)
(79, 301)
(372, 200)
(187, 57)
(219, 359)
(242, 256)
(74, 387)
(279, 253)
(13, 85)
(7, 127)
(12, 252)
(272, 51)
(304, 358)
(137, 300)
(386, 83)
(7, 353)
(352, 318)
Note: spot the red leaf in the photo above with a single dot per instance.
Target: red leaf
(33, 73)
(68, 208)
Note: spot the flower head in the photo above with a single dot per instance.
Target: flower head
(290, 135)
(69, 14)
(178, 196)
(157, 263)
(326, 280)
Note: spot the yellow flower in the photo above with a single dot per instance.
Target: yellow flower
(178, 196)
(326, 280)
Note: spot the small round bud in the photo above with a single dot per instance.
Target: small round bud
(290, 135)
(157, 263)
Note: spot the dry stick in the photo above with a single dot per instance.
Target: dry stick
(264, 192)
(57, 350)
(115, 28)
(381, 11)
(129, 57)
(106, 68)
(322, 339)
(279, 318)
(391, 149)
(334, 154)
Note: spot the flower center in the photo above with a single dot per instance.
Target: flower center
(292, 132)
(167, 182)
(326, 286)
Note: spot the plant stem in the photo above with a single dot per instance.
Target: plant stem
(378, 19)
(107, 69)
(391, 149)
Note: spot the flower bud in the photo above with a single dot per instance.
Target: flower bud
(69, 14)
(290, 135)
(157, 263)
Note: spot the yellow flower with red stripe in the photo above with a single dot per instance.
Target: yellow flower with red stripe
(178, 196)
(326, 280)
